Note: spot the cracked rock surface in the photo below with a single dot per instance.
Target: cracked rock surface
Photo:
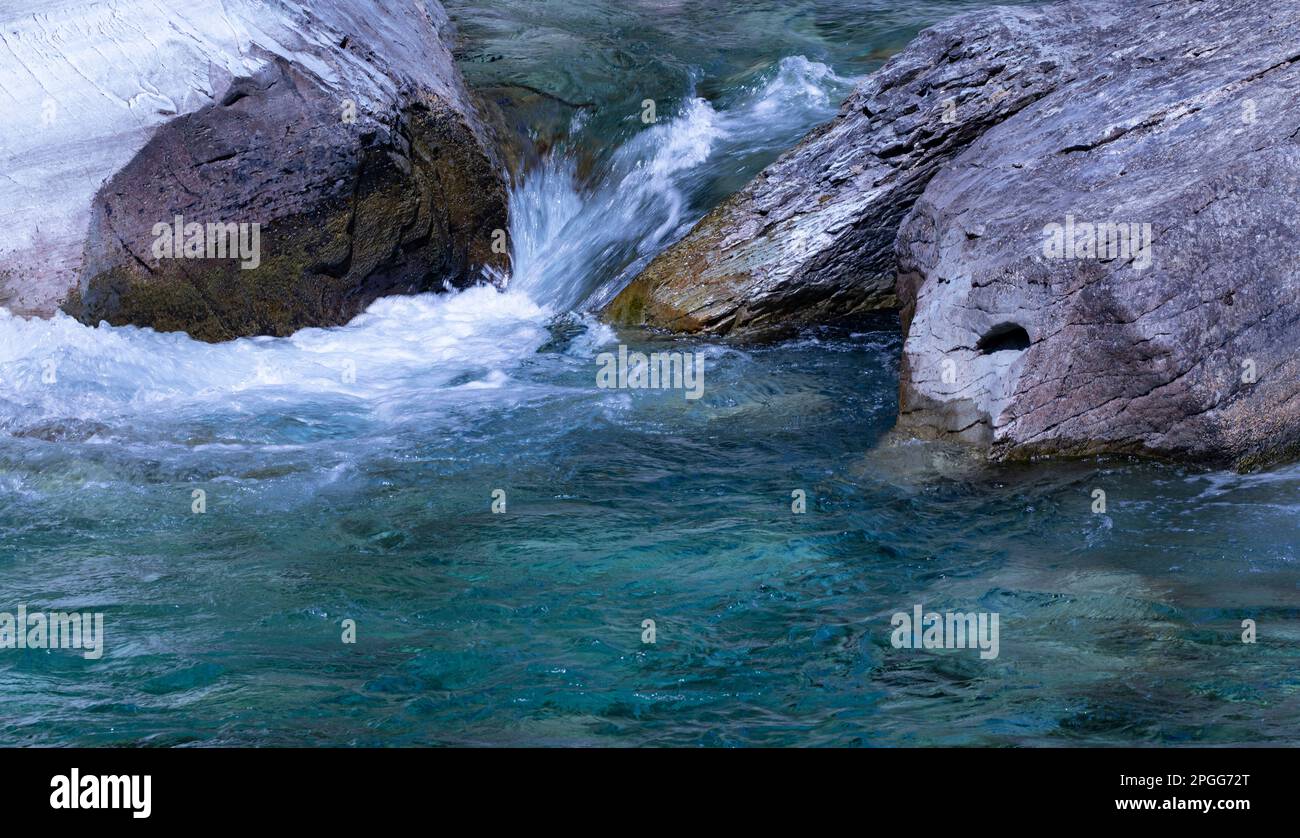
(127, 114)
(936, 189)
(810, 238)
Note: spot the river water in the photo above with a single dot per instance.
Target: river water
(349, 474)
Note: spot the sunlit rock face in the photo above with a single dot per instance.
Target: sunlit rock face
(341, 129)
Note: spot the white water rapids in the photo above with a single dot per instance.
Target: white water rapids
(573, 248)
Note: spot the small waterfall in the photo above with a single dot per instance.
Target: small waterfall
(573, 247)
(576, 248)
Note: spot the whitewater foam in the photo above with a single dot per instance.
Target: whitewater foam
(571, 247)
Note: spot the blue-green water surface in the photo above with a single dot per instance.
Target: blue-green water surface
(348, 474)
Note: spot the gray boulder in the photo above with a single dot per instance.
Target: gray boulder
(1089, 209)
(810, 238)
(1113, 269)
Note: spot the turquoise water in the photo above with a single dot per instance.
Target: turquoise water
(349, 474)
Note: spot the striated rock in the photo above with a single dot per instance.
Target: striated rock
(811, 237)
(1169, 327)
(1091, 213)
(341, 129)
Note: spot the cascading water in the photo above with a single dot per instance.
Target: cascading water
(349, 473)
(572, 247)
(579, 248)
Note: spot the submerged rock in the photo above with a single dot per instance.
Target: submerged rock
(1091, 212)
(336, 140)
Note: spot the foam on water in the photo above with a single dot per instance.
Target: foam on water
(577, 247)
(400, 346)
(570, 244)
(369, 499)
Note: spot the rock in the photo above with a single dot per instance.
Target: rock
(528, 123)
(810, 238)
(1182, 121)
(949, 169)
(342, 130)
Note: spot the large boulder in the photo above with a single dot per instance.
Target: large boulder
(1113, 269)
(339, 134)
(810, 238)
(979, 166)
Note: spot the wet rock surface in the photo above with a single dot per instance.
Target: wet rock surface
(810, 239)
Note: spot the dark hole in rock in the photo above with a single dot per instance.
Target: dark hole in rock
(1004, 337)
